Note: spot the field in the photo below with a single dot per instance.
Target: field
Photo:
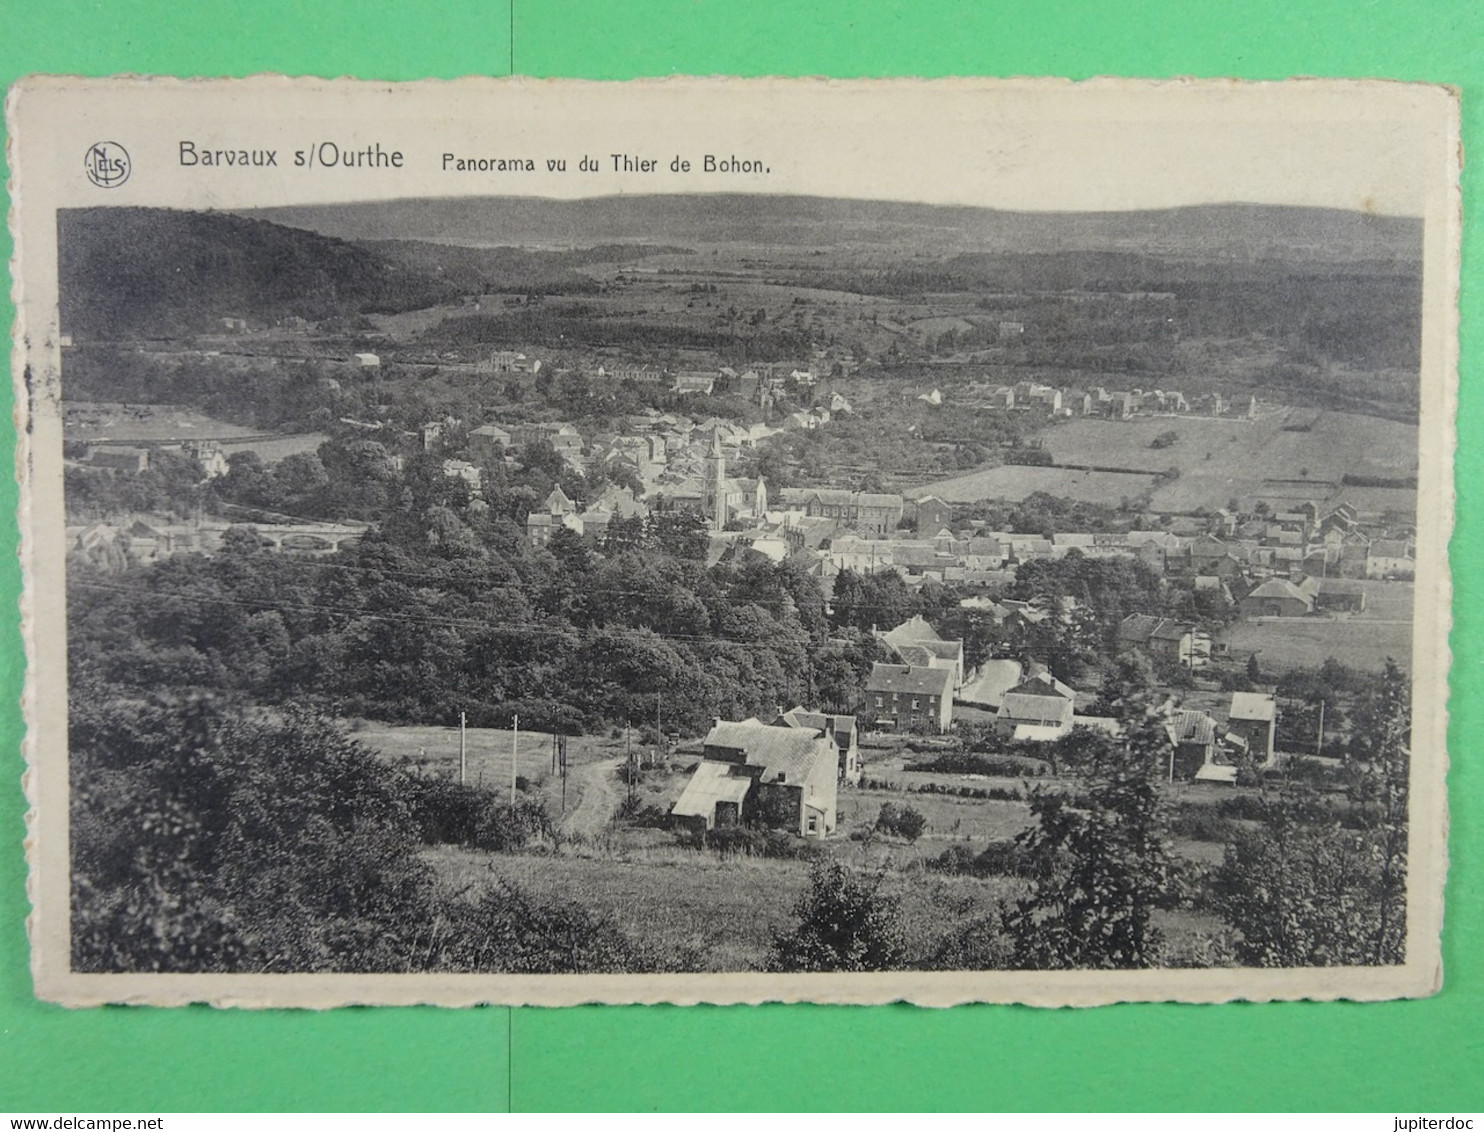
(593, 790)
(1362, 640)
(720, 913)
(1218, 459)
(1018, 481)
(98, 421)
(276, 448)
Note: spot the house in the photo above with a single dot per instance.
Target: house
(503, 361)
(917, 643)
(643, 375)
(561, 435)
(694, 381)
(840, 728)
(904, 697)
(557, 513)
(752, 772)
(1254, 718)
(1277, 597)
(1193, 739)
(368, 361)
(1161, 637)
(931, 514)
(209, 454)
(471, 474)
(1390, 558)
(489, 442)
(870, 511)
(1038, 709)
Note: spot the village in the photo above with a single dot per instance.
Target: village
(1254, 569)
(610, 602)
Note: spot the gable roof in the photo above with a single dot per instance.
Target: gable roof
(909, 679)
(1191, 727)
(818, 720)
(1281, 588)
(783, 753)
(1044, 708)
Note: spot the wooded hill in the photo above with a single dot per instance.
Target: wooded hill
(148, 272)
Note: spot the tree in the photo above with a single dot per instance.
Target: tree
(845, 924)
(1102, 865)
(1310, 892)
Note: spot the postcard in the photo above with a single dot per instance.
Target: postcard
(714, 540)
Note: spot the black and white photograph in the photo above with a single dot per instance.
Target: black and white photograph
(725, 580)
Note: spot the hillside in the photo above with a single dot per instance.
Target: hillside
(1230, 232)
(145, 271)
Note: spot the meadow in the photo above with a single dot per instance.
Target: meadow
(1362, 640)
(1218, 459)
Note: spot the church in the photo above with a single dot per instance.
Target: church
(725, 499)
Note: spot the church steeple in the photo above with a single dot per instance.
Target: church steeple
(716, 477)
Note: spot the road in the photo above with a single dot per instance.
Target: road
(598, 786)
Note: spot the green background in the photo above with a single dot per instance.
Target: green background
(1426, 1055)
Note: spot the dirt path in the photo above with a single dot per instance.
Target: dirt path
(599, 787)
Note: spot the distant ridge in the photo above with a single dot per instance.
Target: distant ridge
(1232, 231)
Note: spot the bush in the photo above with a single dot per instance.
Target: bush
(1203, 823)
(901, 821)
(998, 859)
(509, 930)
(452, 813)
(845, 924)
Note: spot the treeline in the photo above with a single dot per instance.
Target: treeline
(573, 325)
(446, 607)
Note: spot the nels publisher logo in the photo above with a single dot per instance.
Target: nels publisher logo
(107, 164)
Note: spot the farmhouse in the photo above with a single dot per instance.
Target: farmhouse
(781, 777)
(903, 696)
(840, 728)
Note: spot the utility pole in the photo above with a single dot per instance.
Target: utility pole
(1319, 743)
(659, 736)
(514, 757)
(463, 750)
